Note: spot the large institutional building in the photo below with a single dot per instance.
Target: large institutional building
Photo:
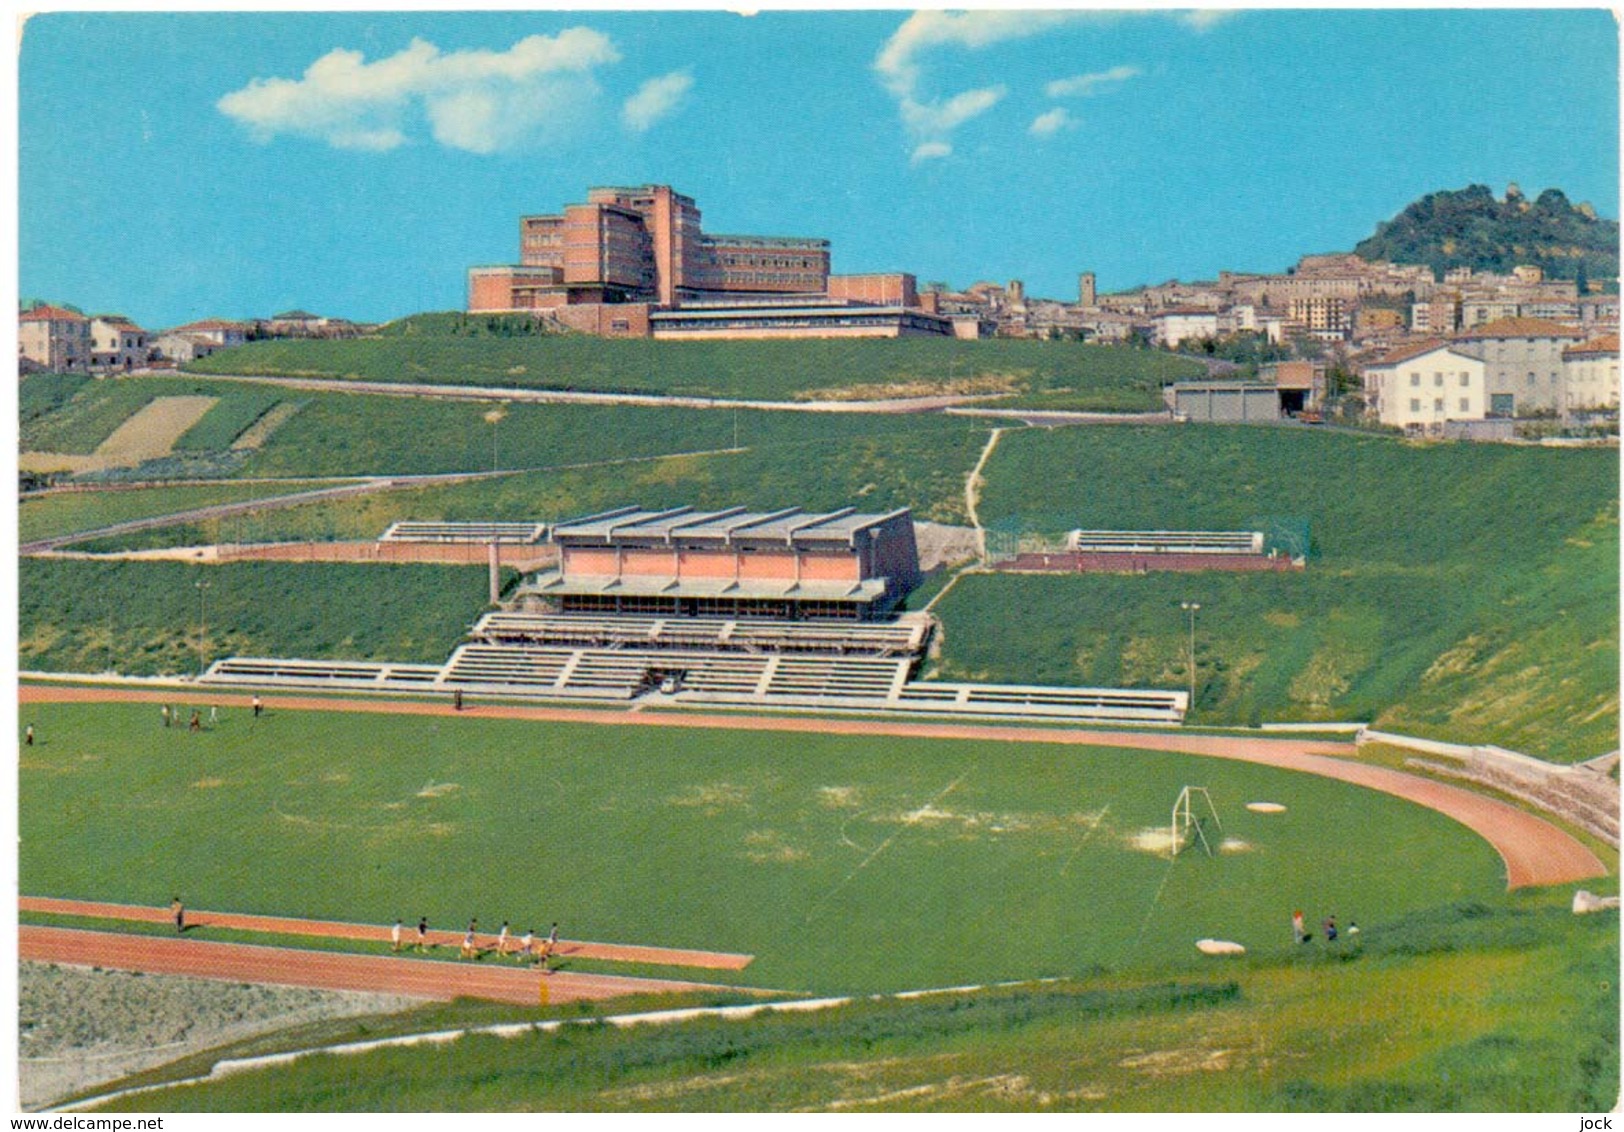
(635, 262)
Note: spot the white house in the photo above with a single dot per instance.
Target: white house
(1590, 374)
(1175, 326)
(117, 343)
(1426, 384)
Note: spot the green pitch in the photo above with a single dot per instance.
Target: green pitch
(842, 863)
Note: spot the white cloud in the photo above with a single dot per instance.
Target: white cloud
(940, 117)
(1200, 19)
(1050, 122)
(477, 100)
(655, 99)
(1096, 83)
(929, 151)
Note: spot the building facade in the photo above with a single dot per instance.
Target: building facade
(1590, 375)
(1523, 360)
(54, 339)
(117, 343)
(1425, 385)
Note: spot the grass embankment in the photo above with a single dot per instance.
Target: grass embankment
(1510, 1006)
(1469, 592)
(142, 618)
(843, 863)
(60, 513)
(449, 349)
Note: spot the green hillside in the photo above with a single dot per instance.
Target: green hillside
(1465, 592)
(463, 350)
(1470, 228)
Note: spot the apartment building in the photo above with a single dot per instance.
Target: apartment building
(1523, 363)
(1425, 385)
(116, 343)
(1590, 375)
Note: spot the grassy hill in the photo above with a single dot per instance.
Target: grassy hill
(1470, 228)
(1503, 1007)
(447, 349)
(1468, 592)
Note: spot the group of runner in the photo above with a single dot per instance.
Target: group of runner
(1299, 934)
(525, 949)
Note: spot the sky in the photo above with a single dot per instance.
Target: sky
(181, 166)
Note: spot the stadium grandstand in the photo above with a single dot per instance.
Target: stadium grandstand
(780, 609)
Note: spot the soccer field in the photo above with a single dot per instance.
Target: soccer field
(840, 862)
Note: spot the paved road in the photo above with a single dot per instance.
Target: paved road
(1534, 851)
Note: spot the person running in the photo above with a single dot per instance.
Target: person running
(28, 736)
(394, 937)
(1330, 929)
(527, 945)
(469, 950)
(197, 721)
(502, 941)
(178, 910)
(422, 933)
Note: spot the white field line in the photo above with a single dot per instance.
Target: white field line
(1098, 821)
(882, 847)
(228, 1066)
(1155, 900)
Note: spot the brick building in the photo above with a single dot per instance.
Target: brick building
(635, 251)
(54, 339)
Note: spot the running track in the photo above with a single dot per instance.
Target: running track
(1534, 851)
(327, 970)
(331, 929)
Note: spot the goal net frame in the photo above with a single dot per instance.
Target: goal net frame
(1186, 816)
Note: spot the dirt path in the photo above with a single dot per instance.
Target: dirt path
(1535, 852)
(378, 933)
(326, 970)
(972, 492)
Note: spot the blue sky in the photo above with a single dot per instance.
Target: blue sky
(176, 166)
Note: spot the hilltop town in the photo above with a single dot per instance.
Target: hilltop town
(1466, 352)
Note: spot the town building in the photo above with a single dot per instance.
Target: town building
(1422, 386)
(1590, 375)
(1173, 327)
(54, 339)
(1523, 360)
(217, 330)
(116, 343)
(176, 348)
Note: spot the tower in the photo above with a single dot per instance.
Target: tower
(1085, 289)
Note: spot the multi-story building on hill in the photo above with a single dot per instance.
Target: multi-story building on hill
(1590, 375)
(54, 339)
(608, 265)
(117, 343)
(1523, 360)
(1426, 385)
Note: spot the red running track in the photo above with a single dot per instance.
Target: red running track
(327, 970)
(333, 929)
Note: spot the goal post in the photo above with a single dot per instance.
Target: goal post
(1187, 815)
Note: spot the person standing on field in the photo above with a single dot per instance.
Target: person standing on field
(28, 736)
(164, 712)
(1297, 926)
(394, 937)
(259, 706)
(178, 910)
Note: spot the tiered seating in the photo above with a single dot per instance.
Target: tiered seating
(1159, 542)
(834, 676)
(411, 531)
(725, 674)
(709, 633)
(496, 666)
(1126, 705)
(321, 673)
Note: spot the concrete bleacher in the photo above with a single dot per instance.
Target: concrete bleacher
(902, 638)
(1166, 542)
(264, 671)
(418, 531)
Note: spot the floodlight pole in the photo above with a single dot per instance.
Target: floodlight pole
(1190, 607)
(202, 623)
